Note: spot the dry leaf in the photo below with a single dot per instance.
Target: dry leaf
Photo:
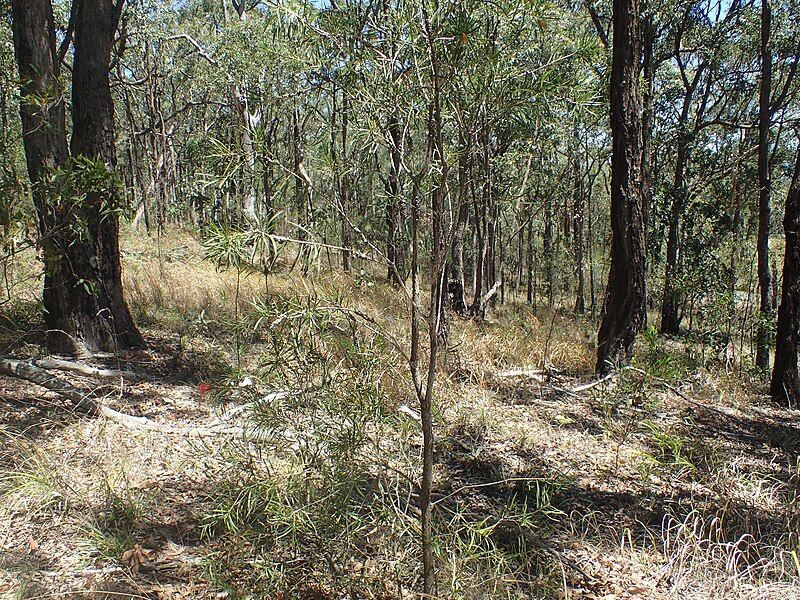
(136, 557)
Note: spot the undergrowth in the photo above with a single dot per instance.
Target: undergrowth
(534, 490)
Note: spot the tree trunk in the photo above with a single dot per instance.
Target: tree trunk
(670, 305)
(648, 75)
(547, 248)
(479, 220)
(764, 184)
(43, 127)
(83, 299)
(580, 294)
(624, 310)
(529, 264)
(395, 243)
(785, 387)
(671, 300)
(456, 284)
(345, 189)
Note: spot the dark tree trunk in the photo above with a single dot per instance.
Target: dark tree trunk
(785, 388)
(648, 75)
(42, 123)
(670, 305)
(624, 310)
(764, 184)
(580, 294)
(83, 299)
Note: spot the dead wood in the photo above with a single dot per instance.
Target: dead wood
(58, 364)
(85, 404)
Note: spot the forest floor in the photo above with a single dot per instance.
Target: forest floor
(674, 479)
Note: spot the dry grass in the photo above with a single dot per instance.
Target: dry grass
(625, 491)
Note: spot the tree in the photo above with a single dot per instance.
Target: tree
(785, 386)
(764, 189)
(76, 198)
(624, 311)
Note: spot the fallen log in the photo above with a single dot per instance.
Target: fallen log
(58, 364)
(87, 405)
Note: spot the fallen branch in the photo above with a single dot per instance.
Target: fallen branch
(57, 364)
(593, 384)
(535, 374)
(663, 383)
(87, 405)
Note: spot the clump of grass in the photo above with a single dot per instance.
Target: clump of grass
(682, 454)
(515, 338)
(727, 547)
(660, 362)
(34, 480)
(114, 524)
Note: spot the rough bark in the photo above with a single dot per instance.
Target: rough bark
(395, 243)
(85, 304)
(624, 310)
(85, 310)
(43, 127)
(785, 386)
(648, 76)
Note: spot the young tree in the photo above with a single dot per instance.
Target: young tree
(624, 310)
(77, 199)
(785, 387)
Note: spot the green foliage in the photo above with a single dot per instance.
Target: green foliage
(661, 362)
(254, 248)
(317, 486)
(682, 454)
(673, 450)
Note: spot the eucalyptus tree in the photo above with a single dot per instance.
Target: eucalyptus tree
(697, 38)
(777, 87)
(624, 309)
(75, 191)
(785, 384)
